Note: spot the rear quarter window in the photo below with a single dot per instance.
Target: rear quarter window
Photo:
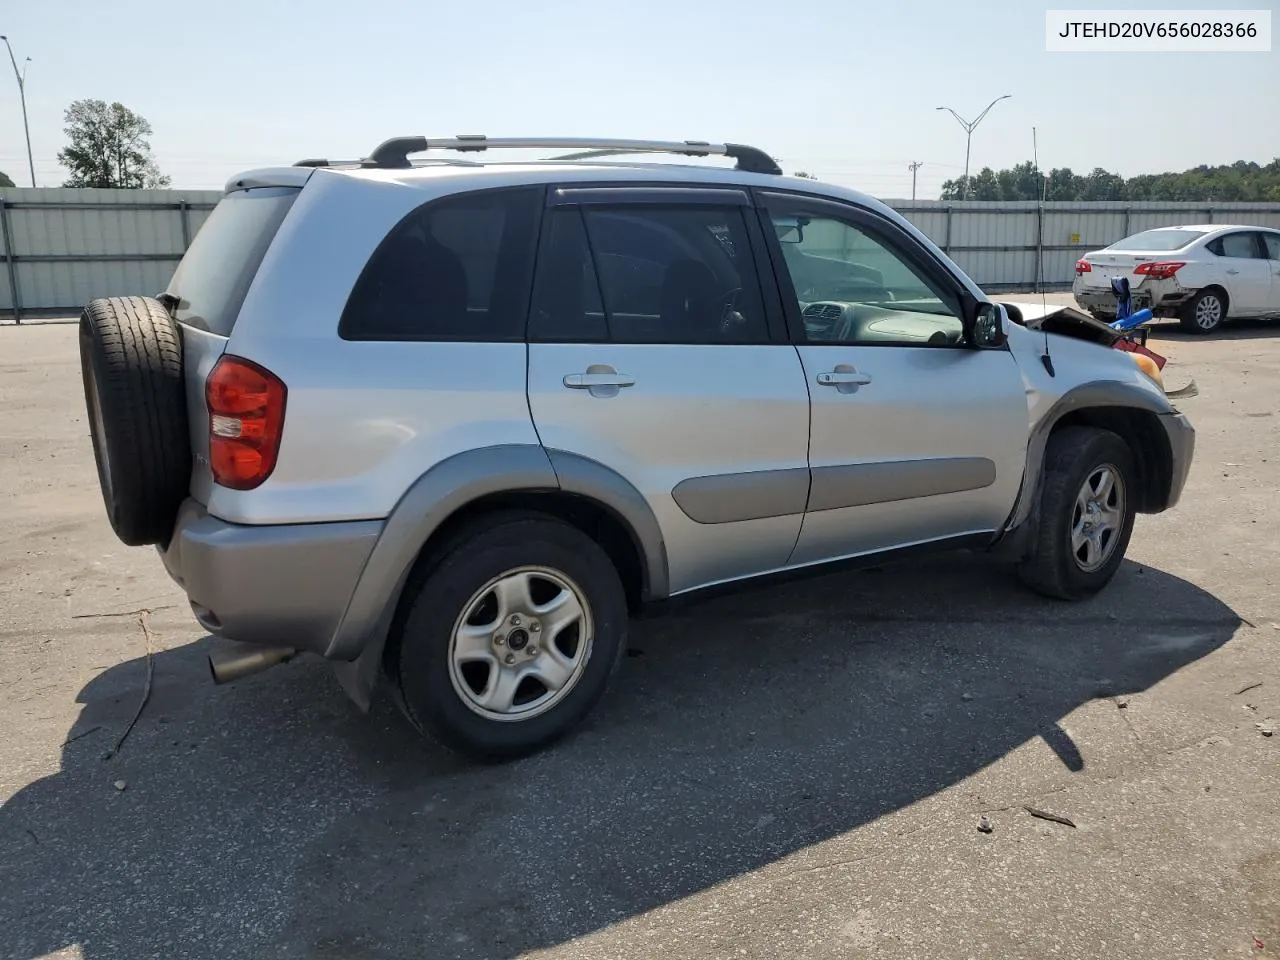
(215, 273)
(457, 268)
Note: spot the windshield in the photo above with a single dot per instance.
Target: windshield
(211, 281)
(1162, 240)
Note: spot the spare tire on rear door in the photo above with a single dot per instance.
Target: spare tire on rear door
(131, 364)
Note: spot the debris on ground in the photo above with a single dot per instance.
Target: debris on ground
(120, 785)
(984, 825)
(966, 696)
(144, 621)
(1266, 728)
(1122, 704)
(1252, 686)
(81, 735)
(1052, 817)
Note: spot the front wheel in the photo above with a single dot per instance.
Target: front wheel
(1205, 312)
(511, 637)
(1087, 500)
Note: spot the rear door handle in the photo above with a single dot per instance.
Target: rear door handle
(585, 381)
(838, 378)
(1233, 272)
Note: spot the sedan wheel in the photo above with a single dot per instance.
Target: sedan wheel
(1205, 312)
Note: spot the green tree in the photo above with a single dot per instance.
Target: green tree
(1240, 181)
(109, 147)
(4, 180)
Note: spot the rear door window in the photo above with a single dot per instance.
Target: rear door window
(648, 274)
(211, 281)
(1272, 240)
(1239, 246)
(458, 268)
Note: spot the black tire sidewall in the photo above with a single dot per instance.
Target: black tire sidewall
(424, 637)
(1103, 447)
(138, 379)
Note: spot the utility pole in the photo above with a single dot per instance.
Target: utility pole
(21, 76)
(914, 165)
(968, 129)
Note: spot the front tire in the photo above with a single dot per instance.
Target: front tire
(1205, 312)
(1087, 499)
(510, 636)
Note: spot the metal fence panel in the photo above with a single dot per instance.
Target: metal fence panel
(63, 247)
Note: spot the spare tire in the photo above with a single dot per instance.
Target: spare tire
(135, 394)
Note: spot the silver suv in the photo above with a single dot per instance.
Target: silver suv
(454, 422)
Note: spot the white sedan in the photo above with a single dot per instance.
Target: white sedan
(1199, 274)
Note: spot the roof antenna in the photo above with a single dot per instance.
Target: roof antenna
(1044, 297)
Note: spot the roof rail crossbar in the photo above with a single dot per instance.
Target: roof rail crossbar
(394, 154)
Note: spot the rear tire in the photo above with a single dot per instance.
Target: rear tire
(1084, 526)
(135, 396)
(504, 589)
(1205, 312)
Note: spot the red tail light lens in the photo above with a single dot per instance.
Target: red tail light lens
(1083, 266)
(1159, 269)
(246, 419)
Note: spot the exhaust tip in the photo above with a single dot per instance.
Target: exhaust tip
(231, 665)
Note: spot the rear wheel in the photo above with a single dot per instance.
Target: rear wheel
(1205, 312)
(1087, 501)
(135, 396)
(510, 637)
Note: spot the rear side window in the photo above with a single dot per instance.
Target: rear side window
(648, 274)
(214, 275)
(455, 269)
(1239, 246)
(1272, 240)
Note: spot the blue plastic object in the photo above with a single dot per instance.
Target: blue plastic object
(1132, 320)
(1124, 300)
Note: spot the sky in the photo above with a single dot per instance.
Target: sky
(844, 89)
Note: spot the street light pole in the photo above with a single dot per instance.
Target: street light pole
(21, 76)
(968, 129)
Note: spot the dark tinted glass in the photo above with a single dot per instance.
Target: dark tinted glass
(455, 269)
(566, 297)
(668, 275)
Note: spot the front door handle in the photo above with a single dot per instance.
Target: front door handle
(585, 381)
(838, 378)
(1233, 272)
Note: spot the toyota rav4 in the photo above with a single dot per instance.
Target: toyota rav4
(454, 423)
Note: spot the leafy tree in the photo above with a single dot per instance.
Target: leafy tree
(4, 180)
(109, 147)
(806, 176)
(1242, 181)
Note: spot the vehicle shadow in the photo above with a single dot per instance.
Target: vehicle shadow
(271, 818)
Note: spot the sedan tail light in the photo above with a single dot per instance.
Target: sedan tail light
(246, 420)
(1159, 269)
(1083, 266)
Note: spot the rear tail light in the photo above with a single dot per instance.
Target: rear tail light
(1083, 266)
(1159, 269)
(246, 419)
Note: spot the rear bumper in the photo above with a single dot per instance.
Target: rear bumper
(285, 585)
(1182, 444)
(1161, 296)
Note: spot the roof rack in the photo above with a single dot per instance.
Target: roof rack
(393, 154)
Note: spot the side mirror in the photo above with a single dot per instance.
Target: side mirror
(989, 326)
